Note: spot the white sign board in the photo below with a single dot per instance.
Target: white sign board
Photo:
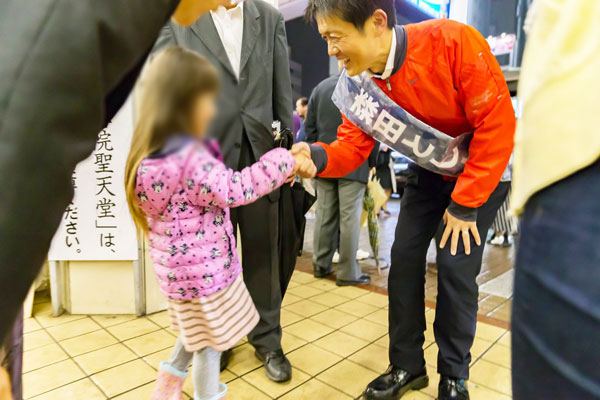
(97, 224)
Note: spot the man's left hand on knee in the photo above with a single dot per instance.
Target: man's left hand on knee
(457, 228)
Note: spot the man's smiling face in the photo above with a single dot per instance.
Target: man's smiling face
(348, 44)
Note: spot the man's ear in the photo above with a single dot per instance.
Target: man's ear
(379, 19)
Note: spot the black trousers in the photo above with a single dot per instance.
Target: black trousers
(426, 197)
(259, 229)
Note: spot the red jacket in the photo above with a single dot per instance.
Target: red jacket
(451, 81)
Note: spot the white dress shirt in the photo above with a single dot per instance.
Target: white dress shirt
(230, 26)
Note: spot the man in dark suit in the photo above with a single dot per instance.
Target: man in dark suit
(66, 68)
(248, 45)
(340, 199)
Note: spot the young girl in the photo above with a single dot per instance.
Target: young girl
(179, 191)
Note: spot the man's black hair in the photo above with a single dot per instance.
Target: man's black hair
(303, 101)
(357, 12)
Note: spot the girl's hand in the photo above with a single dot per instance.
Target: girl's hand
(5, 392)
(304, 167)
(189, 11)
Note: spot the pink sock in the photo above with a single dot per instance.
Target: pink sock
(169, 383)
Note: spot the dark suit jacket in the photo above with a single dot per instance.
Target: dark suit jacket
(262, 94)
(65, 69)
(323, 119)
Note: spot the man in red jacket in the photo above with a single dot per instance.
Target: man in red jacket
(443, 73)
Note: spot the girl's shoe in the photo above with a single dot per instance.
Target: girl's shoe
(220, 396)
(169, 383)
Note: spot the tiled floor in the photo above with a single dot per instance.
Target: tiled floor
(336, 339)
(497, 263)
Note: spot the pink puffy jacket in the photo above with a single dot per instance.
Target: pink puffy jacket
(186, 196)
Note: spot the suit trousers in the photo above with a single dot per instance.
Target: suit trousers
(339, 207)
(426, 197)
(259, 230)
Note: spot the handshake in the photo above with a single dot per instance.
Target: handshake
(304, 167)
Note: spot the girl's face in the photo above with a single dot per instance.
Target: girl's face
(202, 113)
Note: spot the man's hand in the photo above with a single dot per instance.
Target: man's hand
(5, 393)
(189, 11)
(305, 167)
(457, 227)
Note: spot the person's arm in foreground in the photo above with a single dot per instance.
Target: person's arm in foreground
(488, 107)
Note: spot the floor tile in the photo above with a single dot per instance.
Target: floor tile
(141, 393)
(134, 328)
(36, 339)
(334, 318)
(304, 291)
(356, 308)
(500, 355)
(151, 343)
(105, 358)
(42, 296)
(492, 376)
(384, 341)
(30, 325)
(350, 292)
(125, 377)
(341, 343)
(478, 392)
(293, 284)
(51, 377)
(431, 355)
(48, 321)
(308, 330)
(505, 340)
(375, 299)
(380, 317)
(72, 329)
(290, 342)
(155, 359)
(430, 316)
(243, 360)
(348, 377)
(88, 342)
(479, 347)
(306, 308)
(489, 332)
(42, 356)
(312, 359)
(434, 381)
(366, 330)
(82, 389)
(242, 390)
(315, 389)
(288, 317)
(289, 299)
(110, 320)
(323, 284)
(429, 333)
(161, 319)
(259, 379)
(373, 357)
(329, 299)
(303, 277)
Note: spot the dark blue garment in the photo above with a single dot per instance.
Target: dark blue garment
(556, 305)
(301, 137)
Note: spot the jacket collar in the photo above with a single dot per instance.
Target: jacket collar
(397, 54)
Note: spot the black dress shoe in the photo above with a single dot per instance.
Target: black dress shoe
(395, 383)
(225, 357)
(277, 366)
(322, 272)
(453, 389)
(363, 280)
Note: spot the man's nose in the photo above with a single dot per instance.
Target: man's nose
(332, 50)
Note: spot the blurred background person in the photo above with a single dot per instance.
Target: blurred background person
(505, 225)
(556, 305)
(386, 175)
(300, 113)
(248, 45)
(340, 200)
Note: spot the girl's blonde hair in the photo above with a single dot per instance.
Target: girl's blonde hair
(164, 97)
